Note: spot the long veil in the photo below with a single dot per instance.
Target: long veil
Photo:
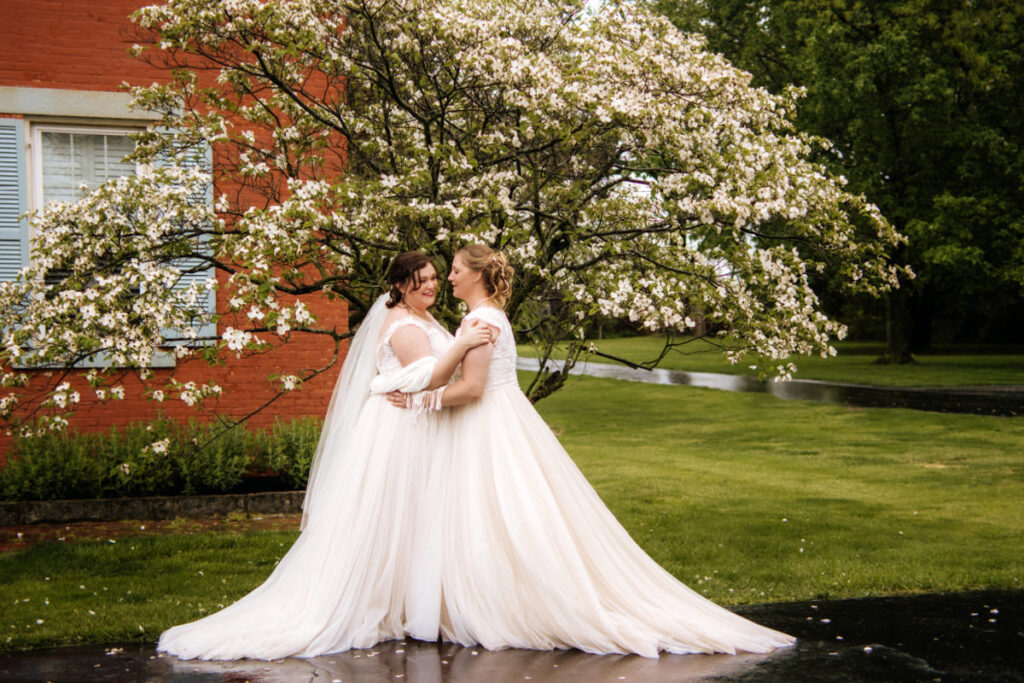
(350, 393)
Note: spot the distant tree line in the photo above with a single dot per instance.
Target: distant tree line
(923, 100)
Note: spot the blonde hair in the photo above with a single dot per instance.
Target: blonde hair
(497, 273)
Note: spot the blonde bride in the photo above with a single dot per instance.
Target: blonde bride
(529, 555)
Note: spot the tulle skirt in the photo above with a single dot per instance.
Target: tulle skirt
(358, 573)
(532, 558)
(474, 524)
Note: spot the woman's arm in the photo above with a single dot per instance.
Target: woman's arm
(475, 367)
(410, 343)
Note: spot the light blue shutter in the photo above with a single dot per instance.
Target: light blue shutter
(13, 199)
(203, 160)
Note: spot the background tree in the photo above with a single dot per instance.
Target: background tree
(922, 99)
(624, 170)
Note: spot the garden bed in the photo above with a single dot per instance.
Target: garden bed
(149, 507)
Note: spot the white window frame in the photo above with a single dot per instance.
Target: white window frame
(36, 130)
(161, 359)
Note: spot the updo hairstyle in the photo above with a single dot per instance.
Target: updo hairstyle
(497, 273)
(405, 269)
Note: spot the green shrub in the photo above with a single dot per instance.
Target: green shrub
(225, 457)
(53, 467)
(287, 448)
(159, 458)
(136, 467)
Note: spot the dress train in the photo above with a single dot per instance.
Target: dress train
(531, 556)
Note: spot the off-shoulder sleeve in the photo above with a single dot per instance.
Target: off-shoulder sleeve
(402, 322)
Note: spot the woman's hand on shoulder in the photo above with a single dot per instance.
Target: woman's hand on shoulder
(473, 333)
(476, 323)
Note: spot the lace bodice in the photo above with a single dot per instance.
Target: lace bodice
(502, 369)
(440, 341)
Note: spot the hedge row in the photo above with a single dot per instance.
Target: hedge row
(160, 458)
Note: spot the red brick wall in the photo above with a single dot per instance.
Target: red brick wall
(82, 45)
(72, 44)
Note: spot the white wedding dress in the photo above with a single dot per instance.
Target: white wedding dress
(355, 576)
(472, 523)
(532, 558)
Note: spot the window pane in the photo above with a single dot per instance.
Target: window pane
(70, 159)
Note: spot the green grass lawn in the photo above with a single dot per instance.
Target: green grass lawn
(855, 363)
(745, 497)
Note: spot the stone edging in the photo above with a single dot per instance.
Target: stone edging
(151, 507)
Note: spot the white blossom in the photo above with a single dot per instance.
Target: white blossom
(236, 340)
(160, 447)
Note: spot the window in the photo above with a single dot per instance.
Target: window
(70, 160)
(62, 162)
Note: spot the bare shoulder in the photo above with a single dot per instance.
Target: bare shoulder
(394, 315)
(401, 327)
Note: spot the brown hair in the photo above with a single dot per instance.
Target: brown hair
(405, 269)
(497, 273)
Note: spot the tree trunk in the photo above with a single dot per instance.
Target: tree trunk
(897, 328)
(922, 311)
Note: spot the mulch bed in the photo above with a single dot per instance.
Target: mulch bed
(19, 537)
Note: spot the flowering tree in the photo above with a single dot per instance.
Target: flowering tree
(624, 170)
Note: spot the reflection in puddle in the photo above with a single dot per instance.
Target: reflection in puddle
(418, 662)
(1005, 401)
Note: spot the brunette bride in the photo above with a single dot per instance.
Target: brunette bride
(530, 557)
(350, 581)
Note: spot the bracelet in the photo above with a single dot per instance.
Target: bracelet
(424, 401)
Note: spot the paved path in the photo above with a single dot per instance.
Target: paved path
(1005, 401)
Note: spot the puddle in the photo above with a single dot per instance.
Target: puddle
(397, 661)
(975, 636)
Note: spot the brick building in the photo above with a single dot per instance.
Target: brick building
(65, 119)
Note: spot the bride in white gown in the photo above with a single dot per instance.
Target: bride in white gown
(529, 555)
(351, 579)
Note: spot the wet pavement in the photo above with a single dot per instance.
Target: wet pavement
(1007, 401)
(965, 637)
